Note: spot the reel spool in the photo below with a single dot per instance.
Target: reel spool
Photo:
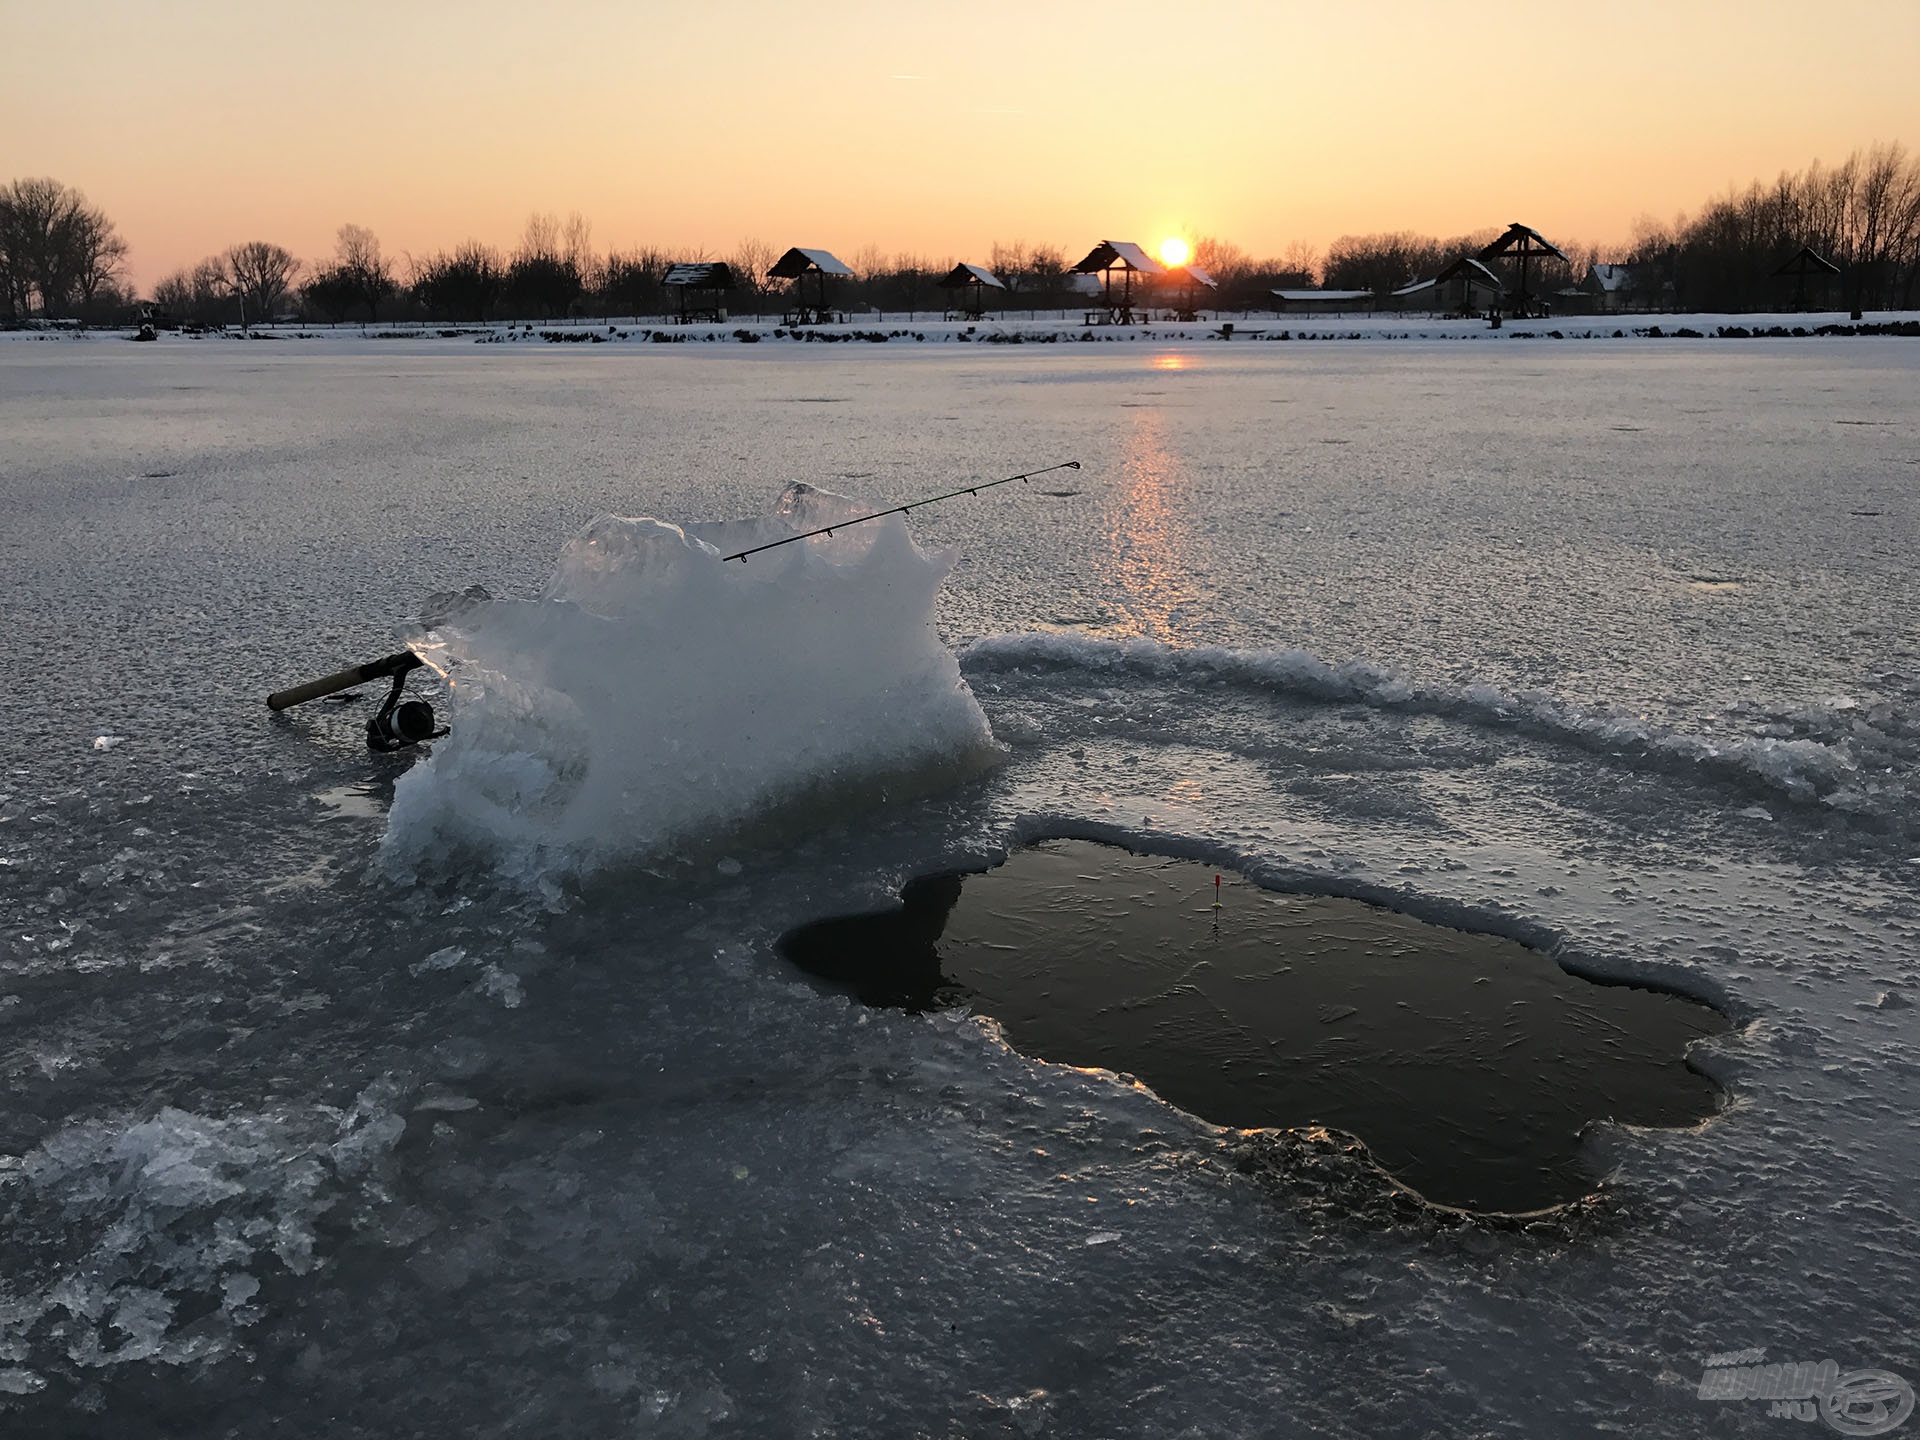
(399, 724)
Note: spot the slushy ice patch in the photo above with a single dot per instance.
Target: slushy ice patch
(654, 697)
(1468, 1063)
(1836, 753)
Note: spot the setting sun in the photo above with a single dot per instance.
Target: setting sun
(1175, 252)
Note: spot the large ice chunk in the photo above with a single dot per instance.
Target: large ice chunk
(655, 696)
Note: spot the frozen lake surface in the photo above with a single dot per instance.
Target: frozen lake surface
(1606, 646)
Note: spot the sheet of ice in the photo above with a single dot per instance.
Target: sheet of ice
(657, 697)
(675, 1192)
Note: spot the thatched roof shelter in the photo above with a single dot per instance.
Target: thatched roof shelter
(1522, 243)
(1129, 260)
(799, 261)
(973, 282)
(708, 279)
(1804, 263)
(699, 275)
(796, 265)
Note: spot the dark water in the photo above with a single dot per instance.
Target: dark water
(1468, 1063)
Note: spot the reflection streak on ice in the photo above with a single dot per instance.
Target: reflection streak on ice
(1147, 534)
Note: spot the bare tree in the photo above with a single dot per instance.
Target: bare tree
(1009, 264)
(541, 239)
(42, 213)
(55, 248)
(750, 262)
(200, 296)
(629, 284)
(99, 256)
(910, 285)
(330, 291)
(1222, 259)
(358, 263)
(1046, 273)
(1380, 263)
(465, 285)
(542, 280)
(16, 277)
(1301, 258)
(576, 246)
(173, 295)
(261, 273)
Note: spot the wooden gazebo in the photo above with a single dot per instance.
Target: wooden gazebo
(1804, 262)
(970, 284)
(1129, 260)
(699, 289)
(1191, 285)
(796, 265)
(1524, 244)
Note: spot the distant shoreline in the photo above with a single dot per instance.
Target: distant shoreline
(881, 329)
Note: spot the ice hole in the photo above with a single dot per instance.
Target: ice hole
(1468, 1063)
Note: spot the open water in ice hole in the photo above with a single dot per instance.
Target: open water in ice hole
(1467, 1063)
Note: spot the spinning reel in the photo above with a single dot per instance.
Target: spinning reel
(399, 724)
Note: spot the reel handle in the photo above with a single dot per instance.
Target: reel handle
(398, 664)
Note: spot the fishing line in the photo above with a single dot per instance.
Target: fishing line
(742, 555)
(401, 724)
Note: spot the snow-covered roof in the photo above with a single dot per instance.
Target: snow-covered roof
(1345, 295)
(700, 275)
(1473, 270)
(1520, 239)
(1611, 277)
(1808, 261)
(1197, 276)
(799, 261)
(965, 274)
(1124, 253)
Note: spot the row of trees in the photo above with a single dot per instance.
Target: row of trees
(476, 282)
(1862, 215)
(59, 255)
(254, 280)
(62, 257)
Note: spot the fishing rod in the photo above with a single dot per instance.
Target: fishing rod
(400, 724)
(741, 556)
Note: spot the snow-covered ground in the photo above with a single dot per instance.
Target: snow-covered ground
(1607, 645)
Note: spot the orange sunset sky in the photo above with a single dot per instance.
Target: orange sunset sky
(930, 129)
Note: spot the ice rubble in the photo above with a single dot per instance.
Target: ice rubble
(654, 696)
(177, 1212)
